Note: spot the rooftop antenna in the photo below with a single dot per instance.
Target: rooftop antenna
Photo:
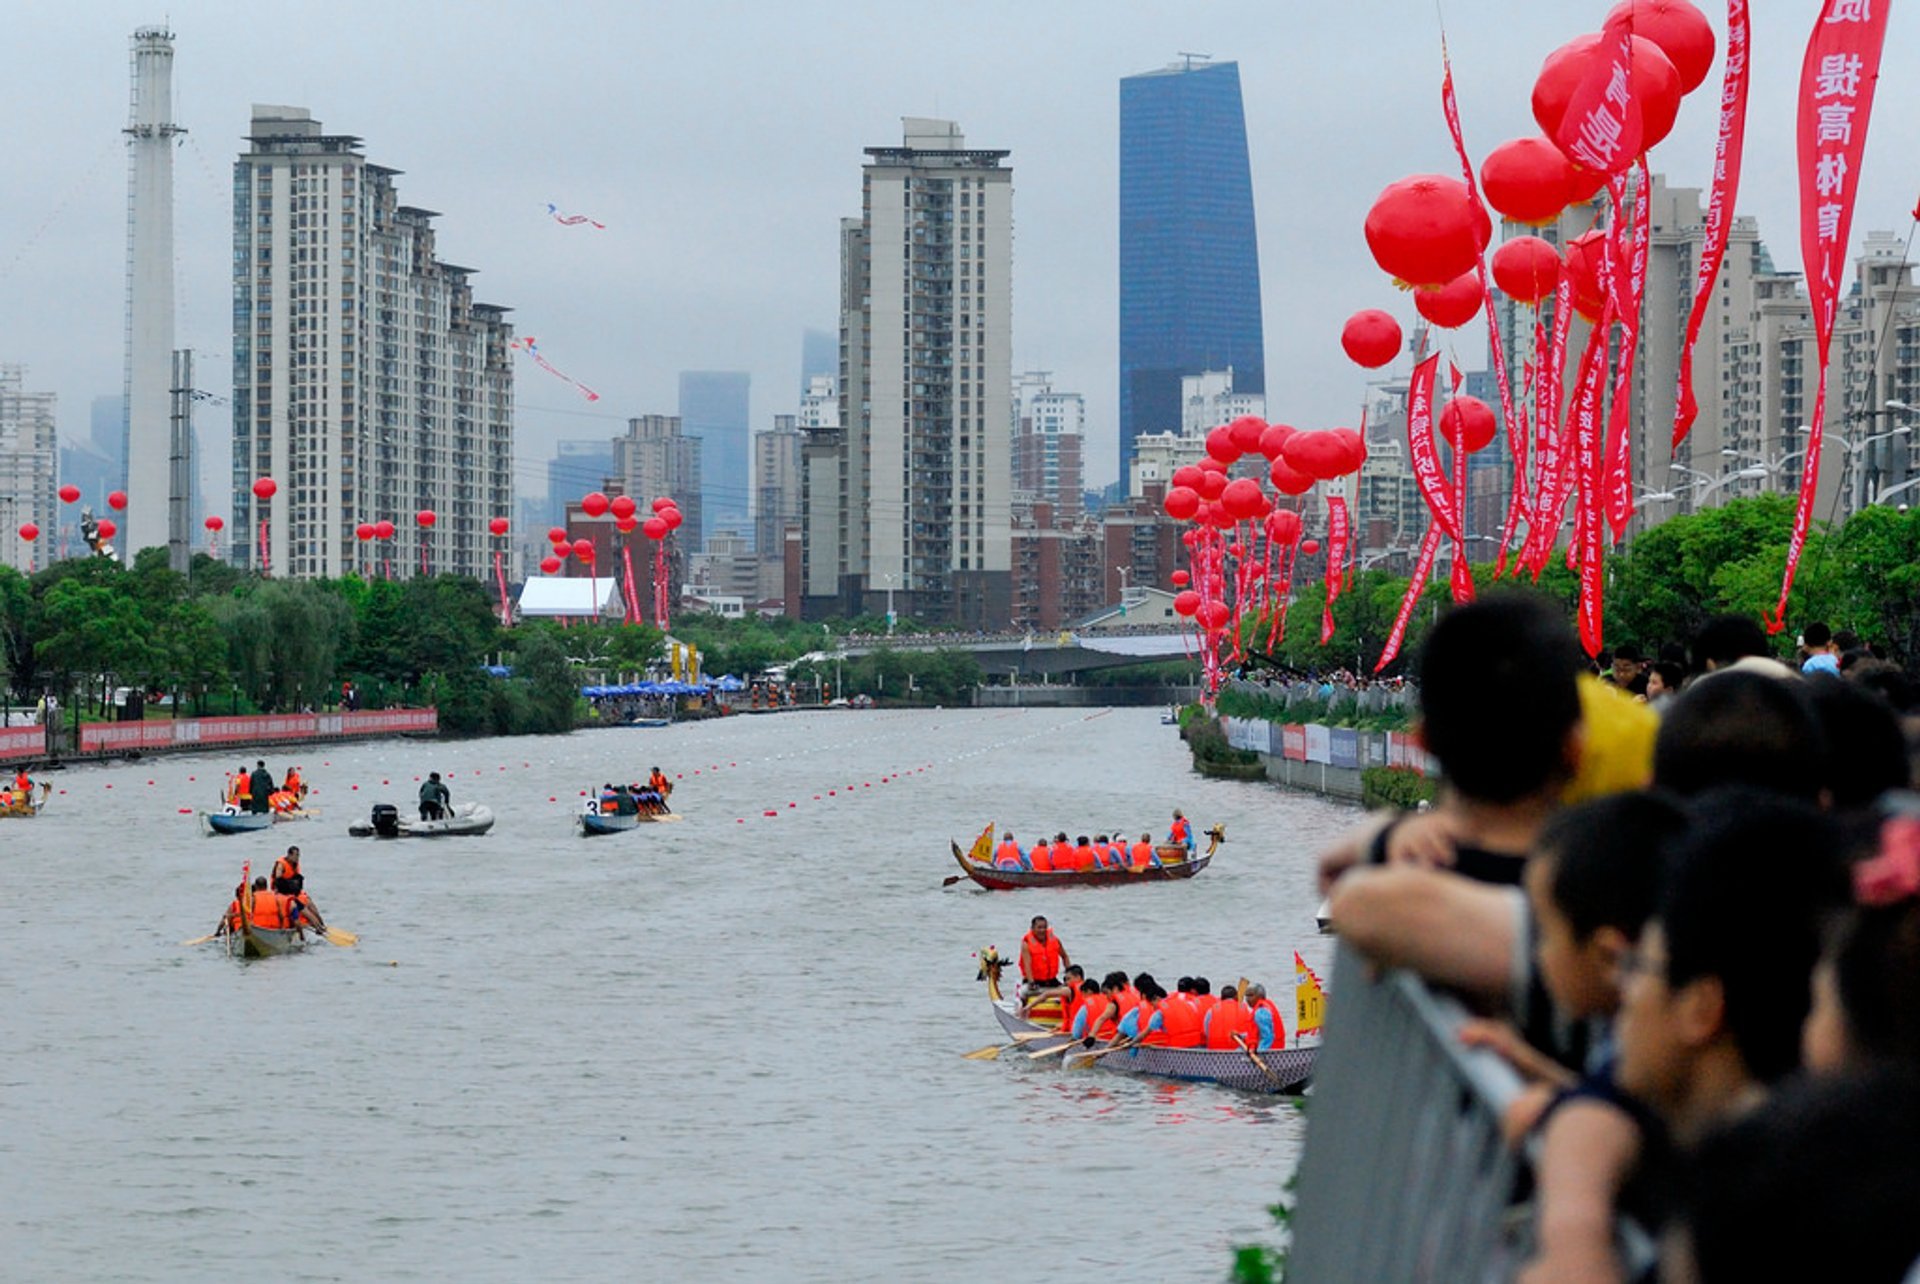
(1190, 57)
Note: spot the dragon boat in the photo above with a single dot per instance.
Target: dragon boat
(1036, 1028)
(1175, 862)
(15, 805)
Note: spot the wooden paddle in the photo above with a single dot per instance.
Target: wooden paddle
(201, 940)
(337, 936)
(951, 879)
(1085, 1059)
(993, 1050)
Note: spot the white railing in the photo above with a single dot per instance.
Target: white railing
(1405, 1176)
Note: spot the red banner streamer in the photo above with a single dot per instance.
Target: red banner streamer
(1619, 473)
(500, 577)
(266, 560)
(1550, 459)
(1602, 129)
(1422, 568)
(1423, 454)
(1837, 80)
(1727, 152)
(1589, 514)
(1337, 530)
(528, 345)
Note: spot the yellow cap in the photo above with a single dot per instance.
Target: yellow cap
(1616, 742)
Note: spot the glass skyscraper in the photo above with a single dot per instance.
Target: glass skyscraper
(1189, 260)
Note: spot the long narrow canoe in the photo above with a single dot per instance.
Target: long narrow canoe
(236, 822)
(1284, 1071)
(1175, 862)
(252, 942)
(593, 823)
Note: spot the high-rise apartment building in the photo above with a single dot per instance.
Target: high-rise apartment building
(1209, 399)
(656, 460)
(577, 468)
(147, 447)
(713, 410)
(912, 493)
(776, 499)
(29, 462)
(1049, 431)
(1189, 259)
(820, 403)
(368, 383)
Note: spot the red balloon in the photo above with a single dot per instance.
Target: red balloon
(1187, 475)
(562, 551)
(1283, 527)
(1245, 432)
(1423, 230)
(383, 529)
(671, 516)
(1273, 439)
(1309, 546)
(1320, 455)
(1287, 479)
(1453, 304)
(426, 517)
(625, 524)
(1186, 603)
(1356, 447)
(29, 532)
(1241, 498)
(663, 502)
(593, 503)
(1214, 614)
(1477, 418)
(1208, 464)
(69, 493)
(364, 531)
(1655, 84)
(1528, 180)
(549, 564)
(583, 549)
(117, 499)
(1180, 579)
(498, 525)
(1526, 269)
(1682, 32)
(654, 527)
(1221, 445)
(622, 506)
(215, 524)
(106, 529)
(1371, 338)
(1181, 503)
(1212, 485)
(1584, 254)
(265, 488)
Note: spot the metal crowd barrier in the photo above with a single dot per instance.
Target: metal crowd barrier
(1405, 1178)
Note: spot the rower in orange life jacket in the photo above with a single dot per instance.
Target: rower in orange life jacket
(240, 787)
(1077, 990)
(1269, 1031)
(292, 884)
(22, 782)
(1083, 857)
(1041, 857)
(1102, 850)
(270, 908)
(1230, 1024)
(1180, 1018)
(1182, 832)
(1143, 1017)
(1142, 853)
(1007, 855)
(230, 922)
(1041, 955)
(1204, 998)
(1099, 1016)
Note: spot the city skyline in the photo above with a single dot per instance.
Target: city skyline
(732, 281)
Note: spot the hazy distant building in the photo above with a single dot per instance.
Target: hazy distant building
(819, 355)
(776, 500)
(655, 460)
(713, 410)
(29, 461)
(1049, 430)
(820, 403)
(577, 468)
(912, 492)
(368, 383)
(147, 447)
(1209, 399)
(726, 568)
(1189, 258)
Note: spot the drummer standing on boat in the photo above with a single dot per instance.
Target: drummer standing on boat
(1041, 955)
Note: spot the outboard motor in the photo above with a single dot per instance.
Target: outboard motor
(386, 820)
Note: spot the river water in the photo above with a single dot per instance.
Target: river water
(727, 1049)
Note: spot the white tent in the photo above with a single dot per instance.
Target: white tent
(545, 597)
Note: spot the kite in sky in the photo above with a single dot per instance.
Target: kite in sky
(573, 220)
(527, 345)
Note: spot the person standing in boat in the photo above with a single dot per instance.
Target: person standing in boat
(658, 782)
(1041, 956)
(292, 884)
(435, 797)
(240, 789)
(259, 787)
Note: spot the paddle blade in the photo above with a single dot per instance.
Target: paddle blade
(337, 936)
(201, 940)
(951, 879)
(989, 1053)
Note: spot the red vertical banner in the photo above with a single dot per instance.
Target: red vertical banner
(1460, 573)
(1422, 569)
(1726, 190)
(500, 577)
(1589, 515)
(1602, 130)
(1422, 453)
(1543, 530)
(1559, 486)
(1337, 532)
(1627, 300)
(1837, 80)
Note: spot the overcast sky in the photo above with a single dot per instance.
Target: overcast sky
(721, 143)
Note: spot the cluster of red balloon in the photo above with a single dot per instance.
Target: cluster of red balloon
(1239, 530)
(1429, 231)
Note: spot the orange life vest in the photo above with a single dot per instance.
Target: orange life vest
(270, 910)
(292, 783)
(1279, 1027)
(1102, 852)
(23, 783)
(1203, 1004)
(1045, 955)
(1180, 1021)
(1142, 854)
(1007, 855)
(1180, 831)
(1230, 1017)
(1041, 857)
(1063, 856)
(242, 787)
(1083, 858)
(1102, 1017)
(233, 916)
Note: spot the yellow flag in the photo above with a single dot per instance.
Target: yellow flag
(1309, 998)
